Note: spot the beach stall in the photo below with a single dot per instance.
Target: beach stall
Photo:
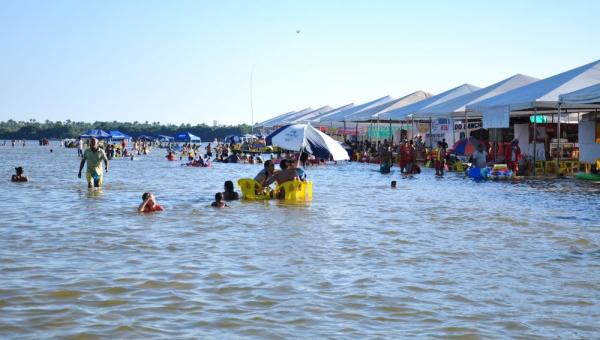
(589, 124)
(450, 119)
(424, 127)
(545, 128)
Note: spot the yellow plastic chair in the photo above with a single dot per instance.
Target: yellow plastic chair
(458, 167)
(251, 189)
(295, 190)
(539, 167)
(550, 166)
(563, 168)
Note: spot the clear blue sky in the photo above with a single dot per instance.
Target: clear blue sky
(190, 61)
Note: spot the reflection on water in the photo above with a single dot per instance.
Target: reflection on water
(433, 257)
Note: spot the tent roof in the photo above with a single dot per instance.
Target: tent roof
(115, 134)
(543, 94)
(314, 116)
(295, 118)
(459, 104)
(340, 116)
(276, 117)
(588, 95)
(95, 133)
(184, 136)
(403, 112)
(279, 120)
(374, 112)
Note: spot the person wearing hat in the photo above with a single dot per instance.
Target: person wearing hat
(19, 177)
(512, 155)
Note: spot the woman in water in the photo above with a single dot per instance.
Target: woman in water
(230, 194)
(19, 177)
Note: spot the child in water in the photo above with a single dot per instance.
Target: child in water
(219, 203)
(19, 177)
(230, 194)
(149, 204)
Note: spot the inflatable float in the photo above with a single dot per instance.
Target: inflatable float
(292, 191)
(584, 176)
(497, 172)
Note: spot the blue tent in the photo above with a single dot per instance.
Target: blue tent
(118, 135)
(96, 133)
(164, 138)
(145, 137)
(187, 137)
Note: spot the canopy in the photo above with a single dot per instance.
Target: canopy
(164, 138)
(118, 135)
(340, 116)
(588, 95)
(543, 94)
(458, 104)
(314, 116)
(305, 137)
(187, 137)
(405, 111)
(374, 112)
(296, 118)
(96, 133)
(280, 119)
(145, 137)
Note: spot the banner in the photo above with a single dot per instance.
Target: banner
(496, 117)
(441, 125)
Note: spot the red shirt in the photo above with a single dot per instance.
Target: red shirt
(155, 207)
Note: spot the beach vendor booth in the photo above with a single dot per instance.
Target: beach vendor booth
(589, 129)
(545, 129)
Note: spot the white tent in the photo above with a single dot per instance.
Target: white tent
(277, 121)
(341, 115)
(457, 106)
(373, 112)
(588, 95)
(541, 95)
(315, 115)
(295, 118)
(403, 112)
(266, 122)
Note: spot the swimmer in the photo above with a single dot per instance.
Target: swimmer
(393, 184)
(230, 194)
(19, 177)
(218, 203)
(149, 203)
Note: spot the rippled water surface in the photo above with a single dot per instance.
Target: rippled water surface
(433, 258)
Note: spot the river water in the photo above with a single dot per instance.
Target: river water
(432, 258)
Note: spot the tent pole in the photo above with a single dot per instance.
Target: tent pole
(558, 144)
(344, 131)
(453, 132)
(534, 139)
(430, 133)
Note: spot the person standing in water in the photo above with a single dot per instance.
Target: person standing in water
(94, 157)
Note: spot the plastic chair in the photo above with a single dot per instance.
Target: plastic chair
(539, 167)
(295, 190)
(458, 167)
(251, 189)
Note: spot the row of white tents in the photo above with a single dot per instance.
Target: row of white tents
(575, 90)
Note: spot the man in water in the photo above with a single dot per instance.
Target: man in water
(286, 174)
(264, 174)
(479, 157)
(94, 157)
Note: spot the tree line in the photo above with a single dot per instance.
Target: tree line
(33, 129)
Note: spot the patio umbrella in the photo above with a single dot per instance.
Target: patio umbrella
(304, 137)
(466, 146)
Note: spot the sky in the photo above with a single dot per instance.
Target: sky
(248, 61)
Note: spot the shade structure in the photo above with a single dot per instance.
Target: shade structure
(187, 137)
(588, 95)
(298, 117)
(96, 133)
(145, 137)
(118, 135)
(304, 137)
(543, 94)
(466, 146)
(165, 138)
(279, 120)
(315, 116)
(340, 116)
(406, 111)
(457, 106)
(374, 113)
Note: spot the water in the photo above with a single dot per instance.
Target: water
(432, 258)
